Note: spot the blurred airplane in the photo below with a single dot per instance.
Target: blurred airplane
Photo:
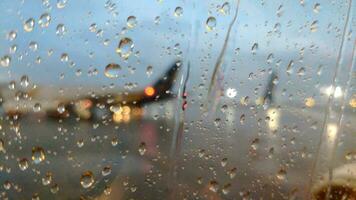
(87, 102)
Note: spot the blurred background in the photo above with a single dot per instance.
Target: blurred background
(177, 99)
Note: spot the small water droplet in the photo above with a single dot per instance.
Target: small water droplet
(310, 102)
(54, 188)
(64, 57)
(47, 179)
(223, 162)
(107, 190)
(24, 81)
(131, 21)
(314, 26)
(61, 108)
(232, 172)
(38, 154)
(281, 174)
(242, 119)
(114, 141)
(316, 8)
(37, 107)
(5, 61)
(23, 164)
(213, 186)
(231, 92)
(61, 3)
(226, 188)
(87, 179)
(29, 25)
(178, 12)
(12, 35)
(7, 185)
(210, 23)
(33, 46)
(106, 171)
(149, 71)
(225, 8)
(45, 20)
(112, 70)
(142, 148)
(61, 30)
(124, 48)
(2, 146)
(254, 48)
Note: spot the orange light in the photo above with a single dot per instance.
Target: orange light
(149, 91)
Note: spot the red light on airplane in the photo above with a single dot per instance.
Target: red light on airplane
(149, 91)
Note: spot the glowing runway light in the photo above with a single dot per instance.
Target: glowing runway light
(149, 91)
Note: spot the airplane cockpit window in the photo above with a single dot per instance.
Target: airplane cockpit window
(177, 99)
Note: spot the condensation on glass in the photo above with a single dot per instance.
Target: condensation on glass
(177, 99)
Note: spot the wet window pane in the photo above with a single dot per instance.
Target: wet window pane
(177, 99)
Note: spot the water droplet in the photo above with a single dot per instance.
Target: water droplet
(37, 107)
(61, 3)
(93, 27)
(131, 21)
(7, 185)
(61, 108)
(24, 81)
(12, 35)
(33, 46)
(29, 25)
(210, 23)
(255, 143)
(45, 20)
(301, 71)
(213, 186)
(13, 49)
(316, 8)
(281, 174)
(352, 102)
(242, 119)
(157, 20)
(61, 30)
(23, 164)
(142, 148)
(64, 57)
(231, 92)
(310, 102)
(106, 171)
(232, 172)
(35, 196)
(54, 188)
(5, 61)
(2, 146)
(290, 67)
(114, 141)
(223, 162)
(314, 26)
(124, 48)
(280, 11)
(270, 58)
(80, 143)
(225, 8)
(226, 188)
(107, 190)
(112, 70)
(87, 179)
(254, 48)
(178, 12)
(38, 155)
(47, 179)
(149, 71)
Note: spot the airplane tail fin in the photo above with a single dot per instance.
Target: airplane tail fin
(162, 88)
